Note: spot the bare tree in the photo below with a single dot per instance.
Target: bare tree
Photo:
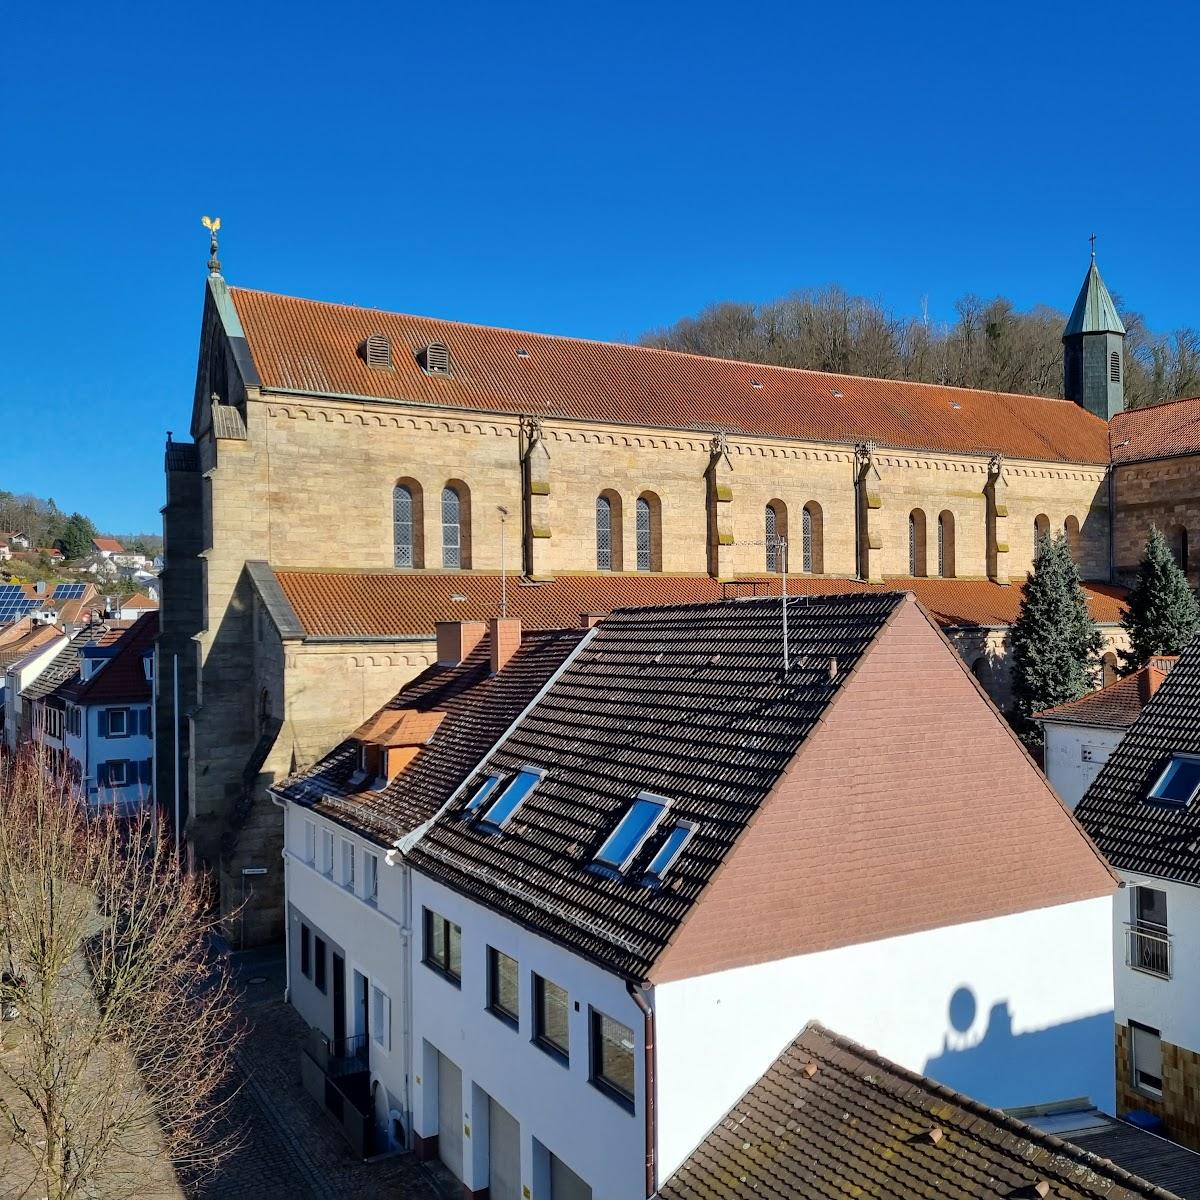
(127, 1022)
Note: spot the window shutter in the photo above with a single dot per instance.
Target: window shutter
(102, 772)
(144, 771)
(144, 722)
(102, 725)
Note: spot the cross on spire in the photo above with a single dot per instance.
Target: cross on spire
(1092, 239)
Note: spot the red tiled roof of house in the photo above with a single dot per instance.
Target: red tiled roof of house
(124, 677)
(347, 604)
(109, 544)
(1117, 705)
(1160, 431)
(313, 348)
(139, 600)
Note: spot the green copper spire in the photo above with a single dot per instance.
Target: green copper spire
(1094, 349)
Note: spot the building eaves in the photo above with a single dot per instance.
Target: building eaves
(278, 607)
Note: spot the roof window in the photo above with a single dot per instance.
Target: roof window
(435, 358)
(668, 852)
(377, 352)
(482, 792)
(1179, 782)
(517, 792)
(631, 833)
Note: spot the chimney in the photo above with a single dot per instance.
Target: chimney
(506, 640)
(456, 639)
(589, 620)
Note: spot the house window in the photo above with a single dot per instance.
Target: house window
(305, 951)
(1178, 783)
(402, 525)
(551, 1030)
(504, 998)
(443, 946)
(370, 876)
(612, 1056)
(310, 842)
(1149, 944)
(114, 773)
(118, 722)
(381, 1018)
(326, 852)
(517, 792)
(604, 518)
(634, 828)
(348, 863)
(1145, 1046)
(319, 963)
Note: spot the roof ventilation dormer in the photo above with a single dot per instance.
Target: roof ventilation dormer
(376, 352)
(435, 358)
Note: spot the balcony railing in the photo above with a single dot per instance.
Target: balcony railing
(1148, 949)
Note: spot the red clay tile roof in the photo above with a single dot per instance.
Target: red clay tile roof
(109, 544)
(138, 600)
(16, 648)
(831, 1119)
(1160, 431)
(348, 604)
(312, 348)
(1119, 704)
(124, 678)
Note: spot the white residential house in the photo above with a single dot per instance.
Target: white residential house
(107, 547)
(22, 660)
(1081, 735)
(584, 994)
(1143, 811)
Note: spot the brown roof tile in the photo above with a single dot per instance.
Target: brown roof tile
(859, 1125)
(1160, 431)
(1117, 705)
(349, 604)
(311, 347)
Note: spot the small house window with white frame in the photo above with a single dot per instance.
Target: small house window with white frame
(348, 863)
(370, 877)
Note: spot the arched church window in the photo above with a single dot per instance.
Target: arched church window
(604, 531)
(1108, 669)
(1041, 532)
(456, 525)
(946, 544)
(1071, 532)
(1179, 547)
(775, 518)
(407, 520)
(916, 543)
(813, 549)
(649, 532)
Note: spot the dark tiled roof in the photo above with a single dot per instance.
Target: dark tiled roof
(1147, 1155)
(350, 604)
(1118, 704)
(65, 664)
(123, 678)
(688, 702)
(1160, 431)
(181, 456)
(859, 1125)
(479, 707)
(309, 347)
(1134, 835)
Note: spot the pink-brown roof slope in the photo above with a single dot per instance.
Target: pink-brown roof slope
(347, 604)
(312, 348)
(1117, 705)
(109, 544)
(1160, 431)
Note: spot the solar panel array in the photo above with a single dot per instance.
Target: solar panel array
(69, 591)
(14, 603)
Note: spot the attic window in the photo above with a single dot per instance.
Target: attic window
(435, 359)
(668, 852)
(1179, 782)
(377, 351)
(1114, 367)
(756, 383)
(517, 792)
(482, 792)
(522, 353)
(631, 833)
(838, 393)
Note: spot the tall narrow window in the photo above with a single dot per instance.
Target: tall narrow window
(814, 539)
(808, 536)
(1114, 367)
(456, 526)
(1041, 532)
(645, 535)
(916, 543)
(603, 533)
(1071, 531)
(402, 525)
(1179, 547)
(775, 529)
(946, 544)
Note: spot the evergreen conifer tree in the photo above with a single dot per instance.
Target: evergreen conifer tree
(77, 536)
(1055, 642)
(1162, 613)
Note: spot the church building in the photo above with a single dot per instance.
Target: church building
(354, 476)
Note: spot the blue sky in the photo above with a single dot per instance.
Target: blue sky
(581, 169)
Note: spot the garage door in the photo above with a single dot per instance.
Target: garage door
(450, 1117)
(565, 1184)
(504, 1147)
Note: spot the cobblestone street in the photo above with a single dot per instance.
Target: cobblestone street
(289, 1147)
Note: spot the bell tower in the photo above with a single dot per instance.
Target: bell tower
(1094, 349)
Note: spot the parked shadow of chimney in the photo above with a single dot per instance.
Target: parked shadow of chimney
(1000, 1067)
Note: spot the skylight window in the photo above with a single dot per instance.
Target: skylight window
(631, 833)
(668, 852)
(482, 792)
(517, 792)
(1179, 783)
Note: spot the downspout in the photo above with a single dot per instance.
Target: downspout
(175, 742)
(287, 924)
(637, 992)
